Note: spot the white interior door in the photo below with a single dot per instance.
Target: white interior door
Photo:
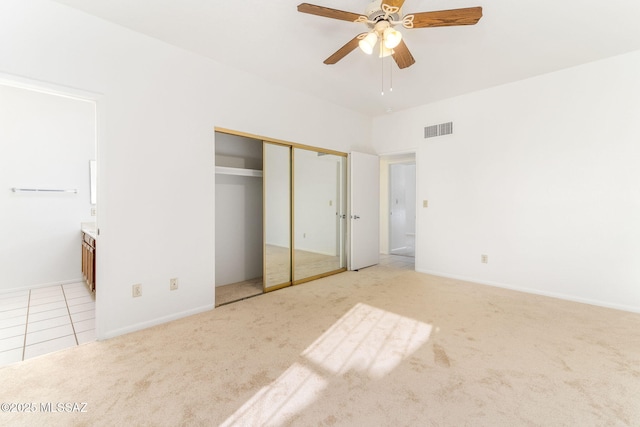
(365, 210)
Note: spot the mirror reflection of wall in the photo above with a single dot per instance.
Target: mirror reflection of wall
(277, 215)
(319, 213)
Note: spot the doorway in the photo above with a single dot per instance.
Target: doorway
(402, 209)
(49, 142)
(398, 205)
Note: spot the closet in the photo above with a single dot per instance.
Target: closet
(238, 220)
(280, 212)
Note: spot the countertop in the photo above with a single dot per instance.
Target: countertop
(90, 229)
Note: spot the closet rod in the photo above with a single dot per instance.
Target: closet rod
(44, 190)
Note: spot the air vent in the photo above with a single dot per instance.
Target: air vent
(438, 130)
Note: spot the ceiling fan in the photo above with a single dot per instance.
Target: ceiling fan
(381, 16)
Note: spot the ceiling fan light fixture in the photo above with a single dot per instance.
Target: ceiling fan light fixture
(384, 51)
(391, 38)
(368, 43)
(380, 15)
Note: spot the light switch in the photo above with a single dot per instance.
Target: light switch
(425, 203)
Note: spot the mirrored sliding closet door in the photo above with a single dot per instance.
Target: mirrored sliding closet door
(319, 212)
(277, 216)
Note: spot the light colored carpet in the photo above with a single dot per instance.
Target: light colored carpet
(378, 347)
(237, 291)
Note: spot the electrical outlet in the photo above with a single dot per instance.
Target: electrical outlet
(484, 259)
(173, 284)
(136, 290)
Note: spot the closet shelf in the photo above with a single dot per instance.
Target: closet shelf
(223, 170)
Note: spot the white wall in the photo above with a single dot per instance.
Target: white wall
(157, 109)
(46, 142)
(541, 175)
(238, 229)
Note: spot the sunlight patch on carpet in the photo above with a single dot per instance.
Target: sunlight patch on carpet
(293, 391)
(366, 339)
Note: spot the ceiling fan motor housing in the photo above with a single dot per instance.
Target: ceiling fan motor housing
(375, 13)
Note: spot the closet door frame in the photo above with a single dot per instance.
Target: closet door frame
(291, 146)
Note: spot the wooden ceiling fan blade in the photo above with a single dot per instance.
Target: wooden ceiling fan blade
(402, 56)
(327, 12)
(446, 18)
(344, 50)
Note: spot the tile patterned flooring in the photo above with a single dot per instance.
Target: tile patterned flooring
(43, 320)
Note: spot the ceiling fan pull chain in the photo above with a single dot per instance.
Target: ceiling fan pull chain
(391, 75)
(381, 70)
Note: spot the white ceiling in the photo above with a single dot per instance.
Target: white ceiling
(514, 40)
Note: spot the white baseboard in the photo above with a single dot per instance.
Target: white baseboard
(562, 296)
(149, 323)
(42, 285)
(398, 249)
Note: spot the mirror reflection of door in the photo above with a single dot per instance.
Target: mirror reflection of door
(277, 216)
(319, 213)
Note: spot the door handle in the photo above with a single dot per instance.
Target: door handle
(355, 217)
